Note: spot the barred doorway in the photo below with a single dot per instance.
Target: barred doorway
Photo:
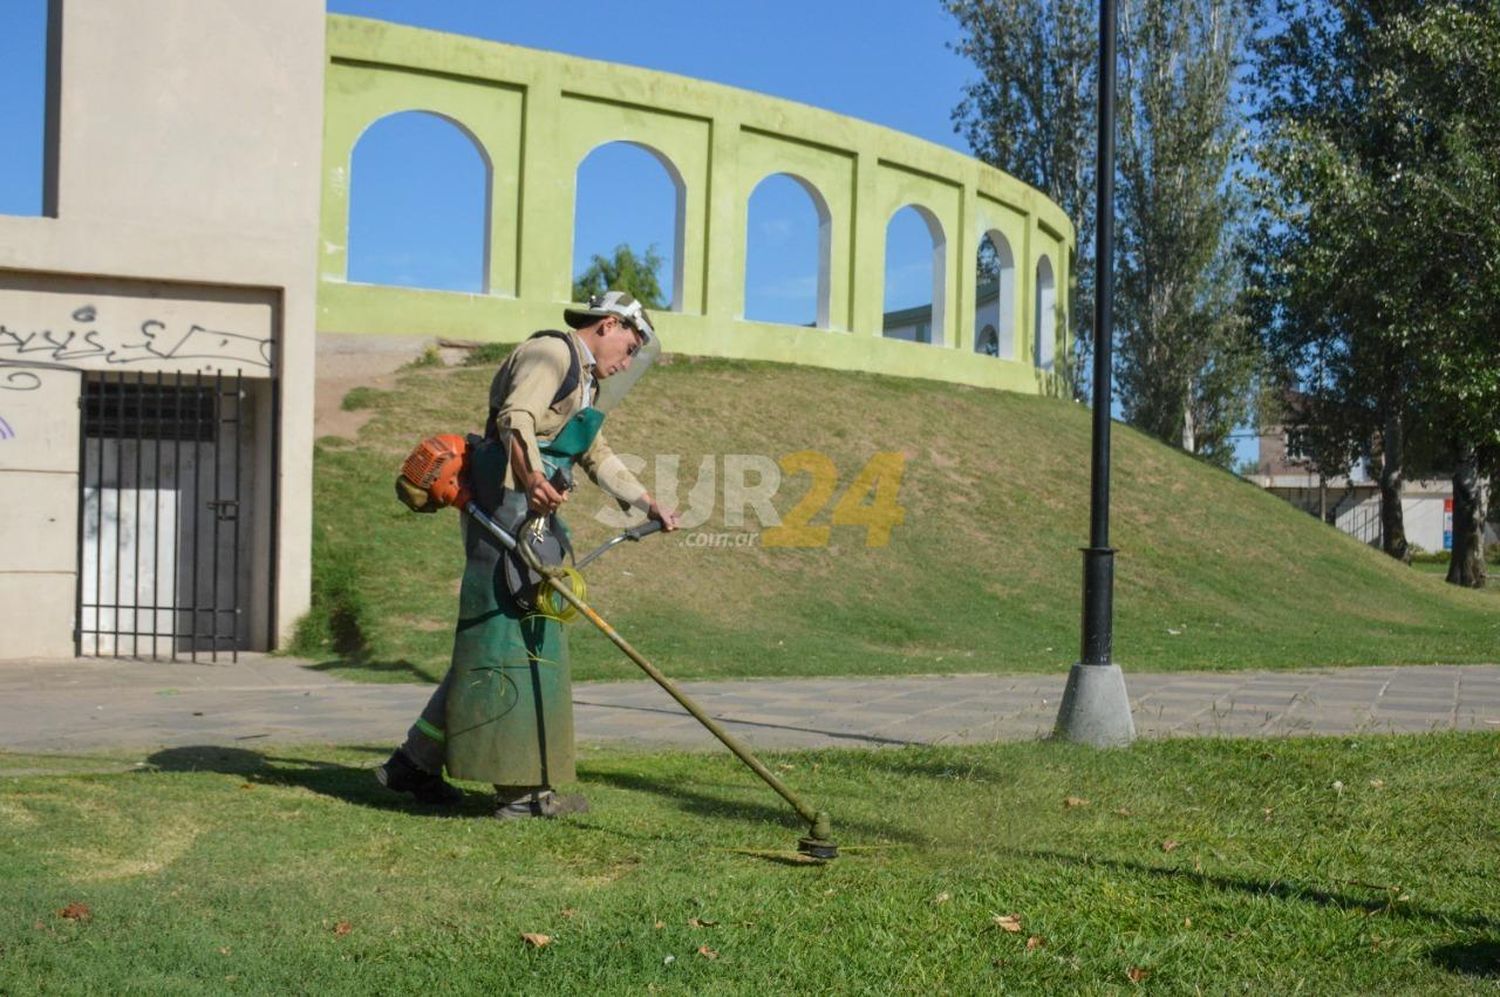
(168, 536)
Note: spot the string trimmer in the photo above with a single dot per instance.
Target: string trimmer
(434, 477)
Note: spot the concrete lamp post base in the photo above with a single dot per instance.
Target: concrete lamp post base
(1095, 708)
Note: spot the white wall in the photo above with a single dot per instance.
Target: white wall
(189, 150)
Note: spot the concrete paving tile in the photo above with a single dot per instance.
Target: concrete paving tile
(82, 705)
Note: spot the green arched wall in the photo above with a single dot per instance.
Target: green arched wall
(536, 115)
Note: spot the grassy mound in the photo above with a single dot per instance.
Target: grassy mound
(982, 574)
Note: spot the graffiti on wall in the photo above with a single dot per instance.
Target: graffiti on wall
(89, 342)
(13, 379)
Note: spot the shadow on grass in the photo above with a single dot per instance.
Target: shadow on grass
(359, 663)
(349, 783)
(937, 762)
(1480, 958)
(1281, 890)
(704, 804)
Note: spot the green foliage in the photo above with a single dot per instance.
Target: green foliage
(1301, 865)
(337, 622)
(1185, 357)
(429, 357)
(362, 397)
(1031, 113)
(623, 271)
(488, 354)
(1380, 168)
(981, 576)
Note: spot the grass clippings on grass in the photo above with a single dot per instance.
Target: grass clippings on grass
(1304, 865)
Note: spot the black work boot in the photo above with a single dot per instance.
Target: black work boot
(537, 803)
(401, 774)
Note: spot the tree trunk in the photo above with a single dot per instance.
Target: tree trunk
(1466, 563)
(1189, 424)
(1392, 521)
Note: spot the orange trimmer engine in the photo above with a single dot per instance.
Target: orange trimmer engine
(432, 476)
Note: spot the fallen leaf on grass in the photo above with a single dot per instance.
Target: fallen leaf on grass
(1075, 801)
(342, 928)
(707, 952)
(942, 898)
(702, 922)
(1377, 783)
(223, 950)
(1008, 922)
(535, 940)
(785, 767)
(1034, 942)
(568, 911)
(76, 911)
(247, 785)
(1123, 812)
(1170, 844)
(659, 925)
(1137, 974)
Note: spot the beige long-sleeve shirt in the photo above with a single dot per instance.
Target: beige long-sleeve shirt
(522, 394)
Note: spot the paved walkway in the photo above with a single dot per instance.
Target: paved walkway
(72, 706)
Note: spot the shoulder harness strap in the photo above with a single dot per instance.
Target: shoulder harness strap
(569, 381)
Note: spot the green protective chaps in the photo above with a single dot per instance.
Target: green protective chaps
(510, 698)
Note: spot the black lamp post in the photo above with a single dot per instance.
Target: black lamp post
(1095, 707)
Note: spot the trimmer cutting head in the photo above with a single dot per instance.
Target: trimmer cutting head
(817, 843)
(817, 848)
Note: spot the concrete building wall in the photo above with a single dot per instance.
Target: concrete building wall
(1422, 516)
(184, 239)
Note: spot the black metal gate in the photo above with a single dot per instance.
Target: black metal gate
(162, 458)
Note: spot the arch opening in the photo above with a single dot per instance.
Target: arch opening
(635, 241)
(1046, 316)
(995, 298)
(788, 234)
(914, 277)
(419, 205)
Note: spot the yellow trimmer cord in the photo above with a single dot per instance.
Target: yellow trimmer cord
(549, 602)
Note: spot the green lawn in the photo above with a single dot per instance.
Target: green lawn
(1315, 866)
(1439, 569)
(983, 574)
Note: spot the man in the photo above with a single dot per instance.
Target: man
(503, 713)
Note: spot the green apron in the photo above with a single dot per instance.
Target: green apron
(510, 698)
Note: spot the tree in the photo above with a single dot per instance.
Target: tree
(1332, 301)
(1185, 358)
(1031, 113)
(1443, 94)
(1379, 244)
(623, 271)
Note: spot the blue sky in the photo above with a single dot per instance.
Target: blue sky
(886, 62)
(883, 61)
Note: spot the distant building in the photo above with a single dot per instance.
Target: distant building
(914, 325)
(1352, 503)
